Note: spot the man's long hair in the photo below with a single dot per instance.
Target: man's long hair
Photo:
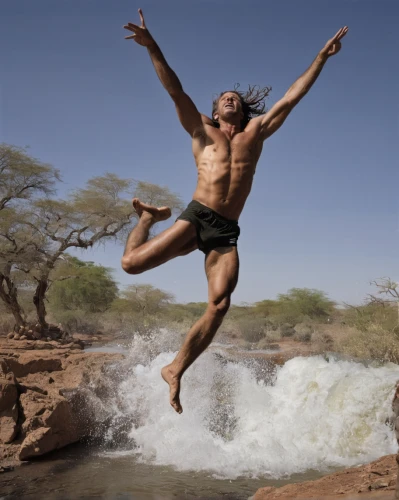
(252, 101)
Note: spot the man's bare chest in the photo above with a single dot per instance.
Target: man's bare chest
(243, 148)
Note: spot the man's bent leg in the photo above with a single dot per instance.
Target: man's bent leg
(141, 255)
(221, 267)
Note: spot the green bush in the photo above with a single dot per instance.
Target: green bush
(90, 288)
(300, 303)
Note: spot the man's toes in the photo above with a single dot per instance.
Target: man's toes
(136, 205)
(177, 407)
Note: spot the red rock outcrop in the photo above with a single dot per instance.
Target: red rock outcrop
(41, 403)
(379, 476)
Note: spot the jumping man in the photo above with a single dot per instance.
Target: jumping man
(226, 149)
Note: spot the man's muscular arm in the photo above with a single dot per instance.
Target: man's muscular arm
(188, 114)
(275, 117)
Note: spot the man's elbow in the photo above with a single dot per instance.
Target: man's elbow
(290, 100)
(293, 97)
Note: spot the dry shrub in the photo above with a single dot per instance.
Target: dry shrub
(287, 330)
(272, 335)
(303, 337)
(303, 332)
(251, 329)
(322, 342)
(376, 343)
(79, 321)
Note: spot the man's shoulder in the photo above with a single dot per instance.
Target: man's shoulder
(253, 124)
(207, 121)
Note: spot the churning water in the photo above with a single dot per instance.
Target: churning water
(248, 418)
(246, 424)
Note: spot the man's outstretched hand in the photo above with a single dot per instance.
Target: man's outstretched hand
(141, 34)
(333, 46)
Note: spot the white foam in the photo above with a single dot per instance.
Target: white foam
(317, 414)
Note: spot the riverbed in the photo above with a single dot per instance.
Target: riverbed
(246, 424)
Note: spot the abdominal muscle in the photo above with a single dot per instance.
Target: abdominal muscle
(224, 186)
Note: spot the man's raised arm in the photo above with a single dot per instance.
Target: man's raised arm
(188, 114)
(275, 117)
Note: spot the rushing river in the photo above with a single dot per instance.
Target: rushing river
(245, 424)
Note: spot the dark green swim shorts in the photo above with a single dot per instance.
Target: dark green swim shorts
(213, 230)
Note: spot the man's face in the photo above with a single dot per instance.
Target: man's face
(229, 106)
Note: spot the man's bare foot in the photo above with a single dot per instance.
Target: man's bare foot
(161, 213)
(174, 386)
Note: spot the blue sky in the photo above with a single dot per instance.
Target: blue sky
(323, 212)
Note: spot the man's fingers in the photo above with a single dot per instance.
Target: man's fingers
(131, 27)
(344, 32)
(340, 33)
(130, 37)
(335, 37)
(142, 18)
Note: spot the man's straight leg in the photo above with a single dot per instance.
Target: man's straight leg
(221, 267)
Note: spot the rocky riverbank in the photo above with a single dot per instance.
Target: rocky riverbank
(374, 480)
(50, 396)
(54, 393)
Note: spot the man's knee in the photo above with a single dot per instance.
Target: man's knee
(132, 266)
(220, 306)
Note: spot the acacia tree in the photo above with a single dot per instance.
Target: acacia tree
(38, 238)
(305, 302)
(22, 176)
(99, 212)
(387, 292)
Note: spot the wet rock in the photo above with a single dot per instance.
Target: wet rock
(3, 367)
(8, 410)
(56, 399)
(8, 394)
(36, 443)
(8, 424)
(48, 425)
(6, 468)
